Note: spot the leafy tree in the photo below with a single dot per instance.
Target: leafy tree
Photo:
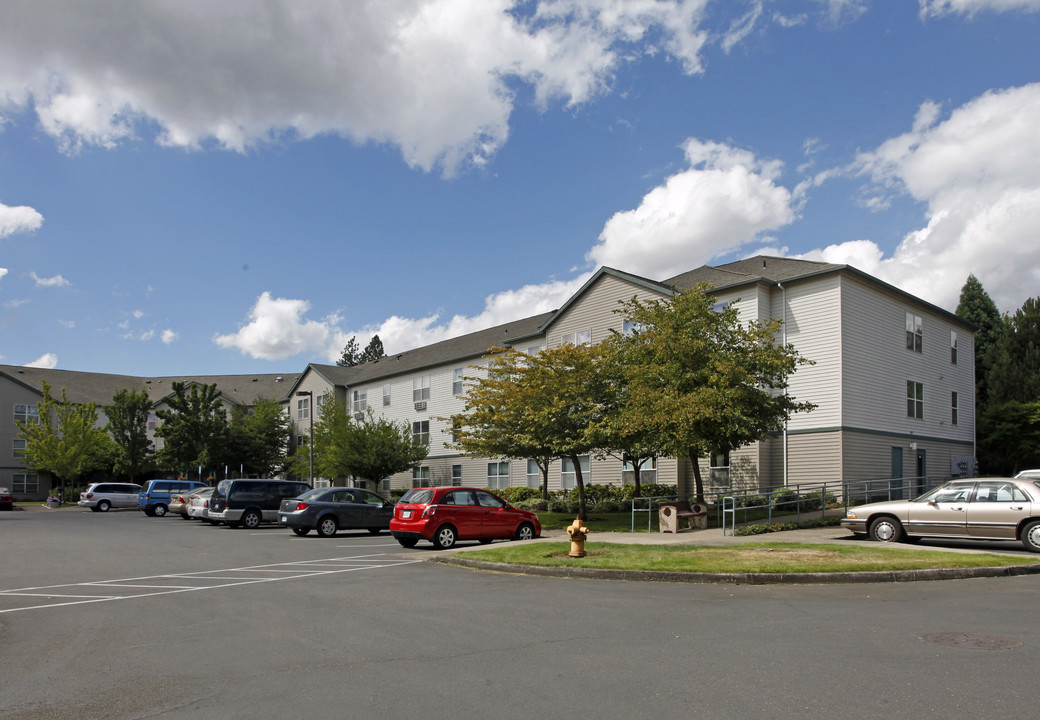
(375, 448)
(258, 437)
(352, 356)
(128, 426)
(66, 441)
(496, 421)
(1009, 437)
(700, 379)
(976, 306)
(194, 428)
(1013, 363)
(543, 406)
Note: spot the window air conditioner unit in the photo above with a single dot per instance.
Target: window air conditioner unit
(420, 405)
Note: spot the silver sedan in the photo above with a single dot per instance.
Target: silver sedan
(978, 509)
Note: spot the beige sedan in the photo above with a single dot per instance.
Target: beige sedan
(977, 509)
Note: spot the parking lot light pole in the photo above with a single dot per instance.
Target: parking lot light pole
(310, 422)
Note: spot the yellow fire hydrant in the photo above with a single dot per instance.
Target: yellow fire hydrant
(577, 533)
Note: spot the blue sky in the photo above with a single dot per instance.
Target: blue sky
(212, 188)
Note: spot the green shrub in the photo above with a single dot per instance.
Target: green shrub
(535, 504)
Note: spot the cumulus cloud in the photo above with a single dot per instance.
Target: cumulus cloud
(56, 281)
(431, 77)
(17, 219)
(169, 337)
(47, 361)
(278, 327)
(724, 200)
(3, 271)
(972, 7)
(975, 171)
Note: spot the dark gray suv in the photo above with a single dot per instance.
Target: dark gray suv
(251, 501)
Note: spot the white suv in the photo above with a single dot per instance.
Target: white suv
(102, 497)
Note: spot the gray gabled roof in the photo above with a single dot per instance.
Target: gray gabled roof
(99, 388)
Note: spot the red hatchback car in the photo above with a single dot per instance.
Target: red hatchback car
(443, 515)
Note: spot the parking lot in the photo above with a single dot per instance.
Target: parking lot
(118, 615)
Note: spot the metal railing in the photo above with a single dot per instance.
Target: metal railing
(808, 499)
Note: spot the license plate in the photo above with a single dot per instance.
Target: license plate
(406, 514)
(285, 520)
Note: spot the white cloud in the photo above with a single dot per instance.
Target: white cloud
(724, 200)
(169, 337)
(3, 271)
(278, 327)
(56, 281)
(14, 303)
(432, 77)
(971, 7)
(976, 173)
(70, 324)
(17, 219)
(48, 361)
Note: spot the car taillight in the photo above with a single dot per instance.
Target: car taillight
(429, 511)
(90, 495)
(301, 506)
(205, 503)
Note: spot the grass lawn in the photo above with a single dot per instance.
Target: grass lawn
(749, 558)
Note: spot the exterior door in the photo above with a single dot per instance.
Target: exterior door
(944, 514)
(895, 485)
(996, 510)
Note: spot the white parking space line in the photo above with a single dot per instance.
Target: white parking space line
(155, 585)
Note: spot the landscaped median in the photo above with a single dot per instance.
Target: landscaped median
(748, 563)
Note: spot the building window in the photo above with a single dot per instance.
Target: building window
(421, 476)
(421, 431)
(360, 401)
(498, 475)
(953, 347)
(25, 484)
(915, 399)
(456, 475)
(303, 408)
(18, 449)
(27, 414)
(534, 474)
(568, 478)
(456, 381)
(953, 408)
(914, 333)
(421, 388)
(386, 395)
(301, 440)
(581, 337)
(718, 470)
(647, 471)
(534, 349)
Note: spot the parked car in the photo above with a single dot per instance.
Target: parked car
(154, 498)
(180, 502)
(979, 509)
(198, 507)
(1030, 474)
(251, 501)
(327, 510)
(102, 497)
(444, 515)
(6, 499)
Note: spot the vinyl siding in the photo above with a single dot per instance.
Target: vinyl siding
(595, 309)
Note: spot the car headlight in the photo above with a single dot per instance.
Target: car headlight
(850, 515)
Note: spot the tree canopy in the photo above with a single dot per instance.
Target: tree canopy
(66, 440)
(194, 429)
(128, 426)
(352, 356)
(700, 379)
(258, 438)
(976, 306)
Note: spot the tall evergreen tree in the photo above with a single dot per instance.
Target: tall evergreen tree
(351, 356)
(373, 351)
(1013, 363)
(194, 429)
(976, 306)
(128, 426)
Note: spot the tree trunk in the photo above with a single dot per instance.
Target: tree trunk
(697, 479)
(545, 481)
(583, 514)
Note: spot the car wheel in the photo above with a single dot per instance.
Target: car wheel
(186, 516)
(524, 532)
(301, 531)
(1031, 536)
(408, 542)
(150, 512)
(327, 527)
(160, 510)
(104, 506)
(252, 519)
(886, 529)
(94, 508)
(234, 526)
(445, 537)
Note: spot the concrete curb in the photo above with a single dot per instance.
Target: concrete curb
(870, 576)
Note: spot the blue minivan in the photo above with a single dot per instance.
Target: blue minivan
(154, 497)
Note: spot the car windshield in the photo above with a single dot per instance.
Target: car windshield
(417, 496)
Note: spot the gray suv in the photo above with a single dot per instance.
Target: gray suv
(251, 501)
(102, 497)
